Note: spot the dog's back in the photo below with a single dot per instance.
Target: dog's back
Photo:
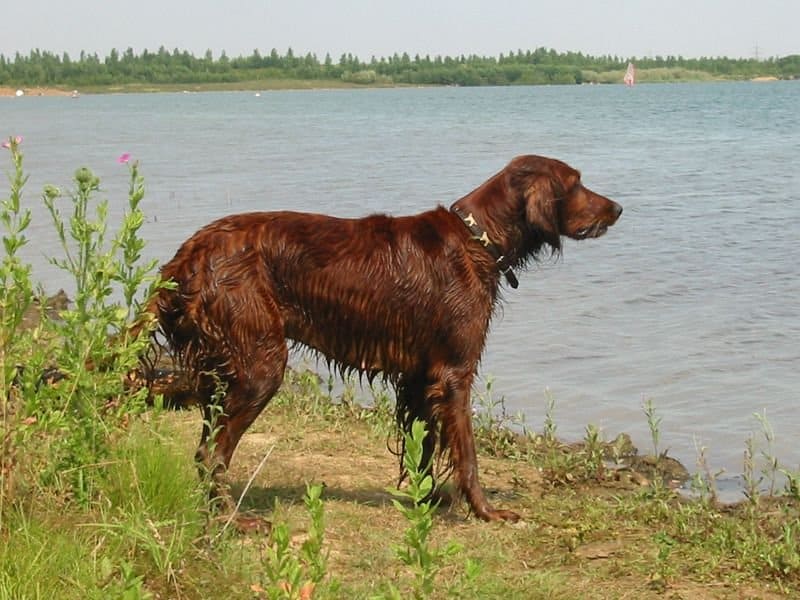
(352, 289)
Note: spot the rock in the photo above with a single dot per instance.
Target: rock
(50, 307)
(667, 468)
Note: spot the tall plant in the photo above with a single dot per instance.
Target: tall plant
(417, 553)
(16, 296)
(91, 397)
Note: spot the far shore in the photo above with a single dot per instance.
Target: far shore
(237, 86)
(256, 85)
(34, 91)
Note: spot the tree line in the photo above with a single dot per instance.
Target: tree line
(539, 66)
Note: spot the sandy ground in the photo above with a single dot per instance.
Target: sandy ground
(35, 91)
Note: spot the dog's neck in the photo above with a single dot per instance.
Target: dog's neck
(479, 234)
(501, 214)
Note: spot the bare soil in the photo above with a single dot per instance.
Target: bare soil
(577, 539)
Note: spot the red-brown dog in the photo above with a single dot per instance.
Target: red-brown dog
(405, 298)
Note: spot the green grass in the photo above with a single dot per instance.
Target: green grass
(657, 75)
(255, 85)
(148, 530)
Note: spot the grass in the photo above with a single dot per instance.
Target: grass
(655, 75)
(255, 85)
(147, 533)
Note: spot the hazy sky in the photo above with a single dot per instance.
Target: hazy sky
(691, 28)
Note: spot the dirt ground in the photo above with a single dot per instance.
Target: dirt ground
(34, 91)
(282, 452)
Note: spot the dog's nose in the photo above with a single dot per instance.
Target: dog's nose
(617, 210)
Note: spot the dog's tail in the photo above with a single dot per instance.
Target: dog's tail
(146, 324)
(161, 369)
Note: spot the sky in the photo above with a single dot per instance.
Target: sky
(366, 28)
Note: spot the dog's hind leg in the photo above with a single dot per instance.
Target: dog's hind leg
(256, 354)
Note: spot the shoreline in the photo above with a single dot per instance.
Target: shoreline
(11, 92)
(257, 85)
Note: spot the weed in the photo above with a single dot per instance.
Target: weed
(16, 296)
(594, 451)
(380, 413)
(493, 425)
(142, 477)
(282, 568)
(771, 468)
(768, 470)
(302, 389)
(751, 481)
(150, 506)
(130, 586)
(704, 482)
(663, 572)
(212, 413)
(792, 487)
(563, 465)
(417, 552)
(83, 409)
(784, 558)
(549, 422)
(311, 549)
(288, 575)
(654, 424)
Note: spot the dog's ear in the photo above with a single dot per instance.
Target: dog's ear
(541, 211)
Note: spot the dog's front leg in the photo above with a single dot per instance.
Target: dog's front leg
(455, 413)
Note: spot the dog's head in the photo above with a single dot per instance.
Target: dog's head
(555, 201)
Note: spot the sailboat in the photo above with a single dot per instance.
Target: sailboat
(630, 75)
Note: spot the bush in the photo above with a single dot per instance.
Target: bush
(72, 395)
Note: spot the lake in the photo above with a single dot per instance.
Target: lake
(690, 300)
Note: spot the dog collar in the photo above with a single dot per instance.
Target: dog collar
(479, 234)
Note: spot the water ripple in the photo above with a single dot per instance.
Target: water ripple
(691, 299)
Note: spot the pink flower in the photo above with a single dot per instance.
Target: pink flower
(17, 141)
(124, 158)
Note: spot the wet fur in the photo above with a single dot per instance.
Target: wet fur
(407, 298)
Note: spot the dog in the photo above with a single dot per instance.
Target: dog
(408, 299)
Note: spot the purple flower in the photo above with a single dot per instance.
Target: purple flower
(124, 158)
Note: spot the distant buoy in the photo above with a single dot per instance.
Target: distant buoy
(20, 93)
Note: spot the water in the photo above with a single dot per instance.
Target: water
(691, 300)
